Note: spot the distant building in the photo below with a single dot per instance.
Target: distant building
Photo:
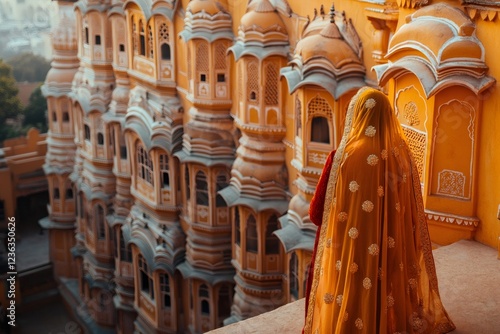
(25, 26)
(187, 137)
(21, 172)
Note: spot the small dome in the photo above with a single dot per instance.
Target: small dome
(63, 37)
(452, 31)
(317, 23)
(263, 20)
(210, 7)
(328, 44)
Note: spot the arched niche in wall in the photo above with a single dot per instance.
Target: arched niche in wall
(410, 106)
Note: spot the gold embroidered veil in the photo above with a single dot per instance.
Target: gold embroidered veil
(374, 271)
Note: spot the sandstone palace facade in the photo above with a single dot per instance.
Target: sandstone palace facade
(187, 137)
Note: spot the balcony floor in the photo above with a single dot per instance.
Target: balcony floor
(469, 280)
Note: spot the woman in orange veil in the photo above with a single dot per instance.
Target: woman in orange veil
(373, 269)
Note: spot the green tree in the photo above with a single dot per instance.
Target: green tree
(34, 113)
(29, 67)
(10, 106)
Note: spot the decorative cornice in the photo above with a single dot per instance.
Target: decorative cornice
(485, 10)
(412, 3)
(441, 217)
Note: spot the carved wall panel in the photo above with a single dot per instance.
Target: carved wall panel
(453, 149)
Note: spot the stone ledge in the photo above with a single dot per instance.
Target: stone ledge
(468, 274)
(286, 319)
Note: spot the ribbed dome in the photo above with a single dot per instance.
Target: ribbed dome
(264, 19)
(328, 44)
(210, 7)
(63, 37)
(451, 30)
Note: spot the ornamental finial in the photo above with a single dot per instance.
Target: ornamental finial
(332, 14)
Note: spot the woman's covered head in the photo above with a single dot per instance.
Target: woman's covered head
(371, 116)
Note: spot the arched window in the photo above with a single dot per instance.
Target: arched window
(304, 279)
(81, 205)
(320, 132)
(271, 85)
(204, 295)
(298, 116)
(221, 183)
(224, 302)
(164, 39)
(237, 226)
(56, 193)
(165, 291)
(104, 300)
(252, 81)
(99, 219)
(320, 114)
(202, 61)
(69, 193)
(201, 189)
(144, 165)
(151, 52)
(251, 235)
(145, 278)
(188, 184)
(87, 132)
(135, 43)
(100, 138)
(54, 116)
(125, 252)
(272, 241)
(164, 171)
(142, 39)
(294, 277)
(165, 51)
(65, 117)
(86, 35)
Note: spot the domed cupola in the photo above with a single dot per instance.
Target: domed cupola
(261, 27)
(207, 19)
(455, 54)
(330, 58)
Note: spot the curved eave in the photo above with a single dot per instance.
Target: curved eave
(55, 89)
(93, 195)
(168, 261)
(426, 75)
(293, 238)
(185, 157)
(114, 220)
(138, 238)
(116, 10)
(58, 170)
(96, 283)
(413, 47)
(205, 34)
(144, 5)
(240, 49)
(188, 272)
(234, 197)
(89, 105)
(109, 118)
(137, 123)
(335, 88)
(84, 9)
(163, 143)
(163, 11)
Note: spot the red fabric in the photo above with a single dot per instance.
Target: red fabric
(318, 201)
(316, 209)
